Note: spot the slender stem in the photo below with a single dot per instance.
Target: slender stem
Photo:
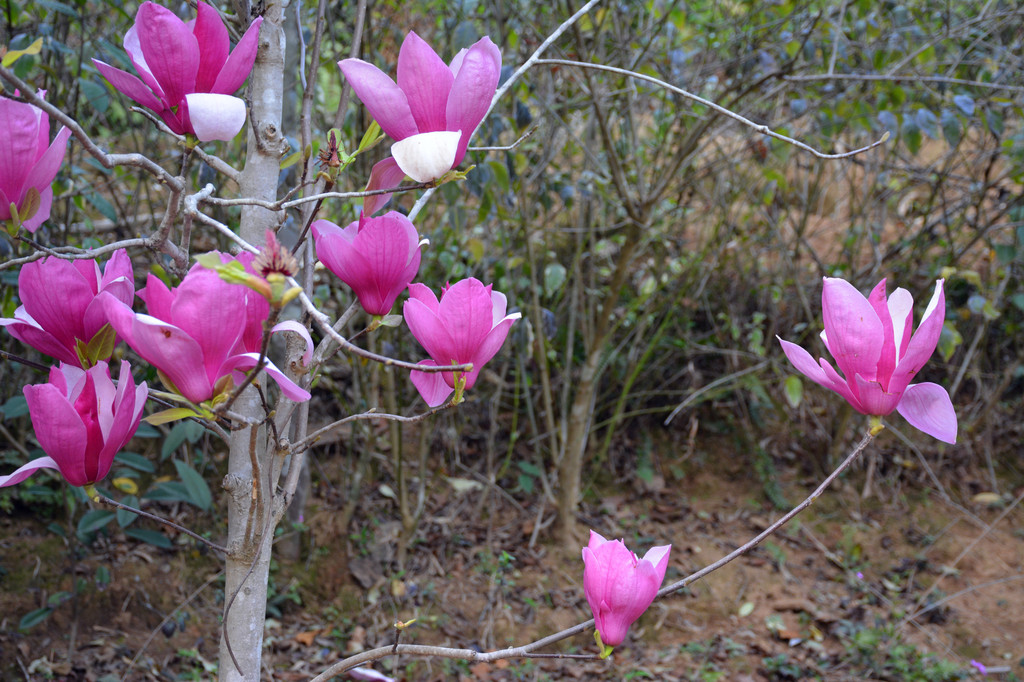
(764, 130)
(152, 517)
(740, 551)
(309, 440)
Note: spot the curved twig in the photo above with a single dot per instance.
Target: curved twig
(762, 129)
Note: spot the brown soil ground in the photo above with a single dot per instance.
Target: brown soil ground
(875, 588)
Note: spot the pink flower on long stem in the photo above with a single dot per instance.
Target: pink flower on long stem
(82, 420)
(468, 325)
(618, 586)
(874, 344)
(377, 257)
(434, 108)
(28, 163)
(187, 72)
(195, 333)
(60, 313)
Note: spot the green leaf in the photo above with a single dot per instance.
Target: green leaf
(103, 206)
(15, 407)
(794, 390)
(125, 517)
(135, 461)
(198, 491)
(500, 171)
(928, 123)
(530, 469)
(170, 415)
(33, 618)
(95, 95)
(151, 537)
(14, 55)
(949, 340)
(911, 134)
(950, 127)
(168, 491)
(995, 122)
(147, 431)
(554, 278)
(964, 103)
(93, 520)
(173, 441)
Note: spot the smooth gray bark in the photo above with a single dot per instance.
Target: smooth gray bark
(250, 513)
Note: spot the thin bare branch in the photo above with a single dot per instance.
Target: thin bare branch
(762, 129)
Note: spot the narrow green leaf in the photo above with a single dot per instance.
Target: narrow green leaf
(151, 537)
(794, 390)
(33, 618)
(198, 490)
(93, 520)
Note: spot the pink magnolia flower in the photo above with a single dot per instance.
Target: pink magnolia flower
(60, 311)
(82, 420)
(618, 586)
(434, 108)
(468, 324)
(197, 334)
(187, 72)
(871, 341)
(28, 162)
(377, 257)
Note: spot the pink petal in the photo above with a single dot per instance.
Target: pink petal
(138, 60)
(855, 334)
(302, 332)
(380, 95)
(887, 358)
(164, 346)
(927, 407)
(873, 399)
(212, 312)
(18, 145)
(289, 388)
(385, 174)
(658, 558)
(28, 331)
(466, 311)
(59, 430)
(127, 408)
(45, 170)
(429, 330)
(423, 294)
(118, 277)
(215, 117)
(42, 213)
(431, 385)
(922, 343)
(57, 296)
(472, 91)
(26, 470)
(901, 310)
(489, 347)
(212, 38)
(426, 81)
(129, 85)
(170, 49)
(239, 63)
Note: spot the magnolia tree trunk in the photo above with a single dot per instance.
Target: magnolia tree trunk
(250, 527)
